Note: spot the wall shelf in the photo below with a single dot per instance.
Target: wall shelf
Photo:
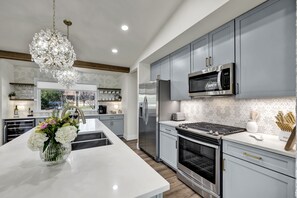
(109, 95)
(20, 99)
(22, 84)
(109, 100)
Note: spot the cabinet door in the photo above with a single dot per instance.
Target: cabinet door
(155, 70)
(118, 127)
(222, 45)
(266, 50)
(168, 150)
(165, 69)
(180, 68)
(199, 50)
(107, 123)
(245, 180)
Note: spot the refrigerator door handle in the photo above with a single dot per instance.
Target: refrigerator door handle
(145, 111)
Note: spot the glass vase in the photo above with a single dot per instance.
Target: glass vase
(55, 153)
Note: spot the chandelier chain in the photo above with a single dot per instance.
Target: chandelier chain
(54, 15)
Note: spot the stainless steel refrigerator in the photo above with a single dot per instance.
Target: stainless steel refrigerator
(154, 106)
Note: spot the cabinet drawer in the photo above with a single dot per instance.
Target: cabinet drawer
(168, 129)
(273, 161)
(111, 117)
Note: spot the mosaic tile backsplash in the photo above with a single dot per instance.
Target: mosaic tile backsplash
(28, 74)
(229, 111)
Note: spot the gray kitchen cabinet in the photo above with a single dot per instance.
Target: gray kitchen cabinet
(199, 50)
(266, 50)
(180, 68)
(215, 48)
(168, 146)
(252, 172)
(162, 68)
(222, 45)
(165, 68)
(155, 70)
(114, 122)
(245, 180)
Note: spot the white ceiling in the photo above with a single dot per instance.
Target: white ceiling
(96, 25)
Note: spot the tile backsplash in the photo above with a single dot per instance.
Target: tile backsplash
(230, 111)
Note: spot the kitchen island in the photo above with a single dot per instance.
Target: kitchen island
(106, 171)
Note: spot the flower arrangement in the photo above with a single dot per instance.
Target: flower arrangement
(53, 138)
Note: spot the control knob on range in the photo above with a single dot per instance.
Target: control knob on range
(216, 133)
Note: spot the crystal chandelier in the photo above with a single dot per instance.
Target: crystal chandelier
(51, 50)
(67, 78)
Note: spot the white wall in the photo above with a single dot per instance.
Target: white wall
(193, 19)
(6, 76)
(129, 90)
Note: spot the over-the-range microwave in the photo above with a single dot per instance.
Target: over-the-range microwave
(213, 81)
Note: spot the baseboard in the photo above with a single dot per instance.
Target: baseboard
(130, 137)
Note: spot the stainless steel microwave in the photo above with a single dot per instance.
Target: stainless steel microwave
(213, 81)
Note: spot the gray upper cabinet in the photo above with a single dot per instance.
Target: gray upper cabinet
(180, 68)
(215, 48)
(199, 50)
(222, 45)
(162, 68)
(165, 68)
(155, 70)
(266, 50)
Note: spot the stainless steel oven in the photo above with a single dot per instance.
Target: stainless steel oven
(199, 163)
(216, 80)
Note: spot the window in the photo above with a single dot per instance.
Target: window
(53, 96)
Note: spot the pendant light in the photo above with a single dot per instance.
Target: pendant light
(51, 50)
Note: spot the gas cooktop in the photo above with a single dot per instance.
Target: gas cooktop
(212, 129)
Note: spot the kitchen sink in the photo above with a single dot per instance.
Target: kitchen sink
(89, 136)
(90, 140)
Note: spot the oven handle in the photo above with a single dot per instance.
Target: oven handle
(199, 142)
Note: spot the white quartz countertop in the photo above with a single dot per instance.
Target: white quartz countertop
(270, 143)
(173, 123)
(107, 171)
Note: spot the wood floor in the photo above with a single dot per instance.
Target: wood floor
(177, 188)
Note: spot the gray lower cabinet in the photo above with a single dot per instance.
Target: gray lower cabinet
(162, 68)
(215, 48)
(245, 180)
(252, 172)
(180, 68)
(266, 50)
(168, 147)
(114, 122)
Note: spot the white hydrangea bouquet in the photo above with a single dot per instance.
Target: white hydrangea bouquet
(53, 139)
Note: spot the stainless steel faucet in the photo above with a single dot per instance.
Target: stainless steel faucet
(80, 112)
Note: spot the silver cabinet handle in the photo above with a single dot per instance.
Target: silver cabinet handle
(210, 61)
(206, 62)
(176, 144)
(167, 129)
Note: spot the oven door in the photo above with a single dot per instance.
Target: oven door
(201, 161)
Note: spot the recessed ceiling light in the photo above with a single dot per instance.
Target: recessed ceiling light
(125, 27)
(114, 51)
